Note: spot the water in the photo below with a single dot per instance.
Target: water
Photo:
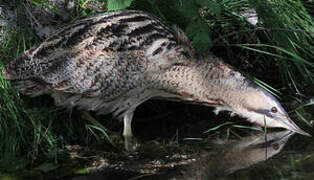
(258, 156)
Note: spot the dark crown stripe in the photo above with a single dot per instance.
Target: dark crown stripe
(135, 19)
(75, 37)
(162, 26)
(116, 15)
(115, 29)
(67, 30)
(153, 37)
(44, 51)
(141, 30)
(90, 22)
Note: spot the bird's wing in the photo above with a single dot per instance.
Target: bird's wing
(99, 74)
(97, 52)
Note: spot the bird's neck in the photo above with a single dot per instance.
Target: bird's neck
(211, 83)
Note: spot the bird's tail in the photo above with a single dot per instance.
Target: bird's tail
(19, 72)
(18, 68)
(29, 87)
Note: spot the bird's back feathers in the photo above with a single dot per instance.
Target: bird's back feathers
(101, 56)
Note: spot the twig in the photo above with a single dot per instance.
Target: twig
(33, 20)
(47, 129)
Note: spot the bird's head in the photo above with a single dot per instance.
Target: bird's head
(263, 109)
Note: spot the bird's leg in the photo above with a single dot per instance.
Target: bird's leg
(129, 143)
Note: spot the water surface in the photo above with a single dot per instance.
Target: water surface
(260, 156)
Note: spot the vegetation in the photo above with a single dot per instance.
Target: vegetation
(277, 53)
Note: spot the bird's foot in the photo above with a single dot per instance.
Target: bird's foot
(130, 143)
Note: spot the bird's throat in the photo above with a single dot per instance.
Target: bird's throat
(205, 83)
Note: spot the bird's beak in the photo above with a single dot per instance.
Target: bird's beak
(289, 124)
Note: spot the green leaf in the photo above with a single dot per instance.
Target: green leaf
(197, 29)
(247, 127)
(199, 33)
(219, 126)
(103, 132)
(202, 42)
(81, 171)
(114, 5)
(188, 9)
(300, 116)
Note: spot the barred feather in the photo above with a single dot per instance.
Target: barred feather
(113, 62)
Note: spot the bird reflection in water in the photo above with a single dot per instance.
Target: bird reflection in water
(220, 158)
(238, 154)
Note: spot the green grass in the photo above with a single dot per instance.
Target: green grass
(278, 56)
(32, 130)
(24, 128)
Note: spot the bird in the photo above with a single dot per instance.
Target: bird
(115, 61)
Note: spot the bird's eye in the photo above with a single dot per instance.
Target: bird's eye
(274, 110)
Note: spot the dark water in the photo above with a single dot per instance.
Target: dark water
(259, 156)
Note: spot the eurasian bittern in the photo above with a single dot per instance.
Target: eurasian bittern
(113, 62)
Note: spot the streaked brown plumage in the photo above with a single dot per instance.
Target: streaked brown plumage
(113, 62)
